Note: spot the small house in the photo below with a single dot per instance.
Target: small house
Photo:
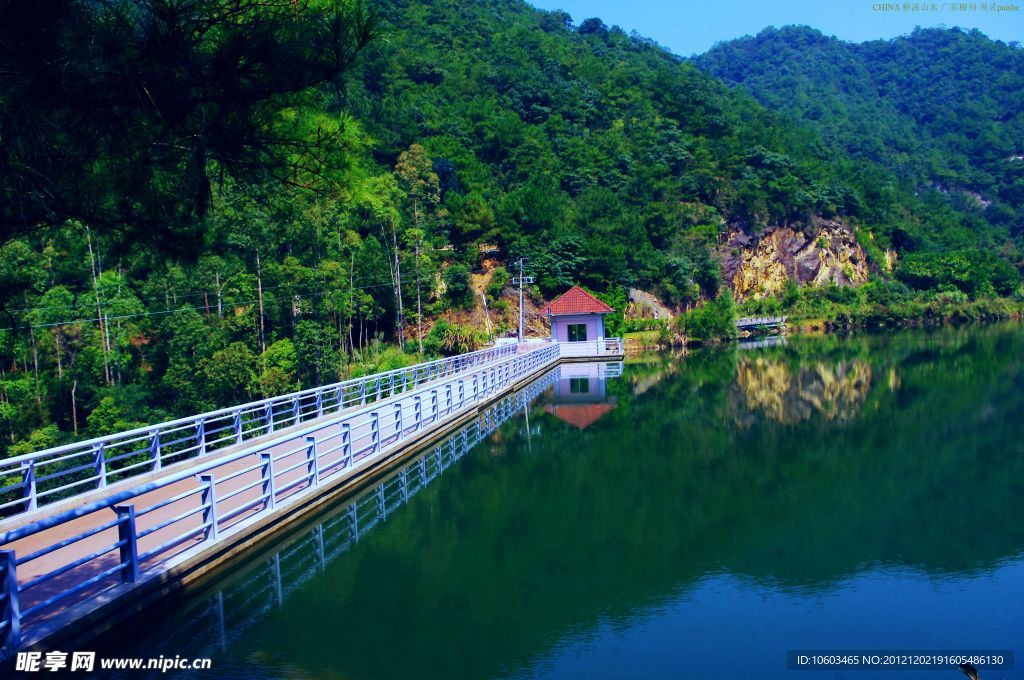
(577, 316)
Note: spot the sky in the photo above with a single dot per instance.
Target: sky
(690, 27)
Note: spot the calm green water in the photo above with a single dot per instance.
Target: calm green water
(696, 517)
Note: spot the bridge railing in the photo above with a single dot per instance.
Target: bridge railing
(592, 348)
(139, 532)
(35, 479)
(262, 587)
(746, 321)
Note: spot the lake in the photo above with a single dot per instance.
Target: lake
(694, 516)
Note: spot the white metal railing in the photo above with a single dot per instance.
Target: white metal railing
(35, 479)
(749, 321)
(140, 532)
(243, 602)
(592, 348)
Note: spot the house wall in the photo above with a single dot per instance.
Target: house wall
(594, 372)
(594, 322)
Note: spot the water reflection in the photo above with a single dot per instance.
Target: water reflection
(870, 500)
(580, 394)
(229, 609)
(788, 393)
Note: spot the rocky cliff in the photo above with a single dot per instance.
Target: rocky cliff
(757, 266)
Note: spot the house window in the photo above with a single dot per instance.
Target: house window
(579, 385)
(577, 332)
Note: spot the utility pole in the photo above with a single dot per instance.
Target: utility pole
(520, 280)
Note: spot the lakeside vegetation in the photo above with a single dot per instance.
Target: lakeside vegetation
(236, 199)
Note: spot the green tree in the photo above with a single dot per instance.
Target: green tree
(230, 375)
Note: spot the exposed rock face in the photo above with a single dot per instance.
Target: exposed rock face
(759, 266)
(644, 305)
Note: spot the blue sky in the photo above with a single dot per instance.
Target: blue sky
(688, 27)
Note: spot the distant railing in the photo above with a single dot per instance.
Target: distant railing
(35, 479)
(760, 321)
(592, 348)
(613, 370)
(209, 501)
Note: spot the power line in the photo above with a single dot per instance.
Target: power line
(197, 293)
(180, 310)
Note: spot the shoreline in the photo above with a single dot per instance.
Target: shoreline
(923, 315)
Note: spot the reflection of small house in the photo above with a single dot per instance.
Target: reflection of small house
(577, 316)
(580, 395)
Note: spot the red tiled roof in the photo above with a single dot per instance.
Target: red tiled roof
(580, 416)
(576, 301)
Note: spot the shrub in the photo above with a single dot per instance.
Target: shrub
(457, 285)
(975, 272)
(714, 320)
(499, 279)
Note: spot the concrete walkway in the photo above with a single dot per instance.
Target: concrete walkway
(87, 571)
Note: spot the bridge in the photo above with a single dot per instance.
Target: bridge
(760, 322)
(95, 528)
(266, 584)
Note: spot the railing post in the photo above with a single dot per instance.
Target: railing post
(129, 548)
(346, 444)
(375, 431)
(318, 540)
(462, 393)
(28, 480)
(154, 449)
(99, 452)
(269, 408)
(417, 411)
(12, 605)
(267, 472)
(319, 404)
(296, 409)
(201, 436)
(312, 464)
(237, 425)
(208, 499)
(222, 634)
(353, 516)
(399, 427)
(362, 391)
(434, 406)
(275, 575)
(448, 396)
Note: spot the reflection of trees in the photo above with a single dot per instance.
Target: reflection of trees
(502, 555)
(791, 394)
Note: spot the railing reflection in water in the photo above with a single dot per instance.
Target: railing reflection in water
(307, 555)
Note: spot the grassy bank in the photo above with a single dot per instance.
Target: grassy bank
(880, 304)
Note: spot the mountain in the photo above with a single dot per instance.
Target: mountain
(939, 107)
(353, 224)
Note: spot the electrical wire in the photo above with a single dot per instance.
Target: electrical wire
(180, 310)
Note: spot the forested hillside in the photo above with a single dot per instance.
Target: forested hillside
(237, 199)
(941, 108)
